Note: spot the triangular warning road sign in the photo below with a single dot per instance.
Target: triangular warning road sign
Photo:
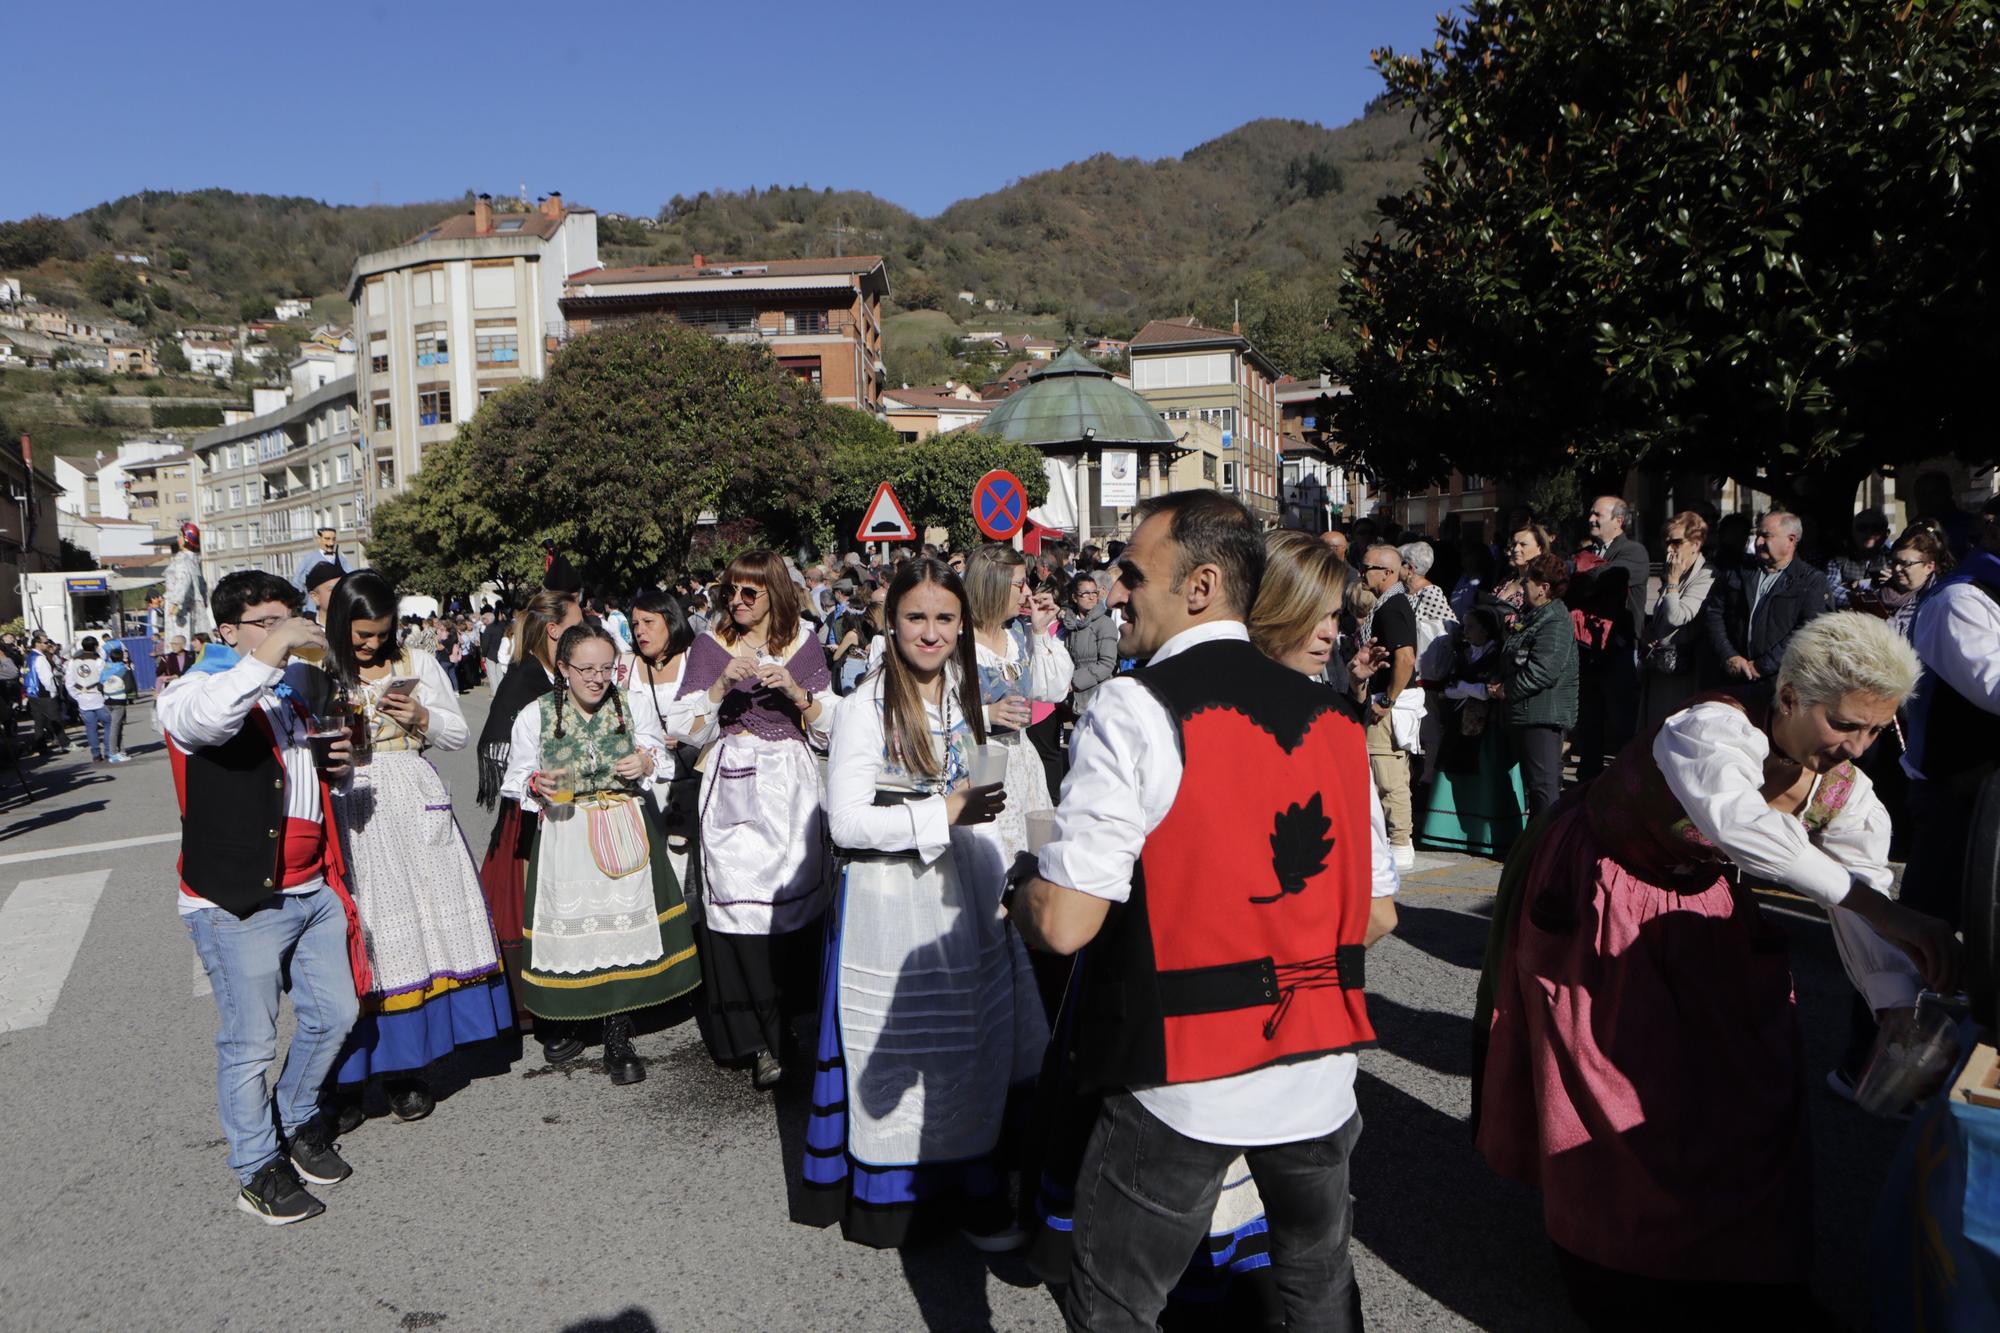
(884, 519)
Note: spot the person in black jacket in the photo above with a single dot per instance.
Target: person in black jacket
(1608, 702)
(1756, 608)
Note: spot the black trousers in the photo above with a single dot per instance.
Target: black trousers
(1607, 710)
(1540, 750)
(49, 728)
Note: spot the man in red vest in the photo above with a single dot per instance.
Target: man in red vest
(1220, 850)
(263, 888)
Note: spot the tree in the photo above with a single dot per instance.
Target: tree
(636, 431)
(107, 282)
(1751, 240)
(933, 478)
(172, 360)
(30, 241)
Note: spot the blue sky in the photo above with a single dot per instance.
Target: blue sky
(621, 105)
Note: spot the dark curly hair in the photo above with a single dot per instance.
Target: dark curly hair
(1549, 569)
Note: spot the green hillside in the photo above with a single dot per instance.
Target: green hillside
(1260, 216)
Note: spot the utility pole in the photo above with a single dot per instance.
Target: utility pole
(839, 233)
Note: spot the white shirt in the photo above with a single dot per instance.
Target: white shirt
(209, 707)
(84, 676)
(853, 771)
(1713, 761)
(1125, 770)
(524, 755)
(657, 700)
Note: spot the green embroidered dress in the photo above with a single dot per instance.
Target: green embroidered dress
(599, 942)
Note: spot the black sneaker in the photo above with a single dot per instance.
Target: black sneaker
(311, 1151)
(275, 1197)
(766, 1073)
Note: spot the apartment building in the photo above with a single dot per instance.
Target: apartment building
(268, 482)
(821, 318)
(1191, 373)
(160, 492)
(461, 311)
(920, 413)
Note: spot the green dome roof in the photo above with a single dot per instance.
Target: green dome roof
(1070, 395)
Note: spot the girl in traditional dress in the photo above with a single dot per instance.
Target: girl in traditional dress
(1019, 665)
(438, 980)
(756, 691)
(503, 875)
(1644, 1064)
(608, 932)
(929, 1021)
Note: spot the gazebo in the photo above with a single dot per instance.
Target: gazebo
(1099, 442)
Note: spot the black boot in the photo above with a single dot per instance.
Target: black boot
(344, 1106)
(559, 1041)
(621, 1062)
(410, 1098)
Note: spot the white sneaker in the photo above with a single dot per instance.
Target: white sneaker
(1405, 857)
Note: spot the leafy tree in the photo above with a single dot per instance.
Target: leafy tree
(1750, 240)
(917, 291)
(30, 241)
(107, 282)
(636, 430)
(172, 360)
(933, 479)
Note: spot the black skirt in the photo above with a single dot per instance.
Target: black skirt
(750, 984)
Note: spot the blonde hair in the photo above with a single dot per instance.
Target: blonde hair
(1303, 583)
(1849, 652)
(1359, 600)
(989, 584)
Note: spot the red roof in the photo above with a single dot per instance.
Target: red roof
(1180, 331)
(935, 398)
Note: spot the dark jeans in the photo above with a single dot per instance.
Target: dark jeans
(1143, 1198)
(1607, 710)
(1540, 750)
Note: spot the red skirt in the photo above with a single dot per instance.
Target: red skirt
(1645, 1069)
(503, 879)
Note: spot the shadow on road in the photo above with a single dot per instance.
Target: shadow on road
(43, 816)
(1450, 937)
(629, 1320)
(1438, 1041)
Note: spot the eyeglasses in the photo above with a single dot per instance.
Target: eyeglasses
(741, 592)
(1910, 564)
(594, 673)
(1383, 569)
(1677, 541)
(264, 622)
(1087, 592)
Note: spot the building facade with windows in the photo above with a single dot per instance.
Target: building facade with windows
(462, 311)
(267, 483)
(161, 491)
(821, 318)
(1191, 373)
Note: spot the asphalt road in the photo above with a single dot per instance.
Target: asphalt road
(540, 1199)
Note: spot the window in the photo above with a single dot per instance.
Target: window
(378, 300)
(493, 285)
(1174, 414)
(719, 318)
(235, 497)
(805, 321)
(1229, 476)
(256, 532)
(381, 414)
(1208, 467)
(347, 518)
(180, 497)
(229, 456)
(343, 470)
(1470, 482)
(385, 474)
(434, 406)
(1224, 417)
(498, 347)
(433, 346)
(378, 356)
(428, 286)
(1181, 372)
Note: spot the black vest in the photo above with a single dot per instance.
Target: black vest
(1961, 739)
(233, 813)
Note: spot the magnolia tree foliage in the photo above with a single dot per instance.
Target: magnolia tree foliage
(1751, 239)
(636, 431)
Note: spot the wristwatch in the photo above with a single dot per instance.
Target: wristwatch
(806, 706)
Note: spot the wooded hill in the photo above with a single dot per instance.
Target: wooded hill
(1107, 242)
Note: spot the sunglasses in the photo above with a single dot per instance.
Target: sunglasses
(741, 592)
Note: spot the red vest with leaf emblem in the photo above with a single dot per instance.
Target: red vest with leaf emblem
(1241, 945)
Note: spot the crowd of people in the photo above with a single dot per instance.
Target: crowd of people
(977, 840)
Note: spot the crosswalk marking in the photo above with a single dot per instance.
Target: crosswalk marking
(16, 858)
(42, 923)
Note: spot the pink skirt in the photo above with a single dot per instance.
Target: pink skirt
(1645, 1070)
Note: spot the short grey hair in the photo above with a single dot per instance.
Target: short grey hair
(1846, 652)
(1787, 520)
(1418, 556)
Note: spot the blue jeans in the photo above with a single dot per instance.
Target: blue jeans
(294, 943)
(1143, 1198)
(97, 731)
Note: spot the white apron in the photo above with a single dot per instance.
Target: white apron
(585, 920)
(939, 1014)
(763, 862)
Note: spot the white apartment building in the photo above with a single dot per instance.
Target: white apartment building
(462, 311)
(268, 482)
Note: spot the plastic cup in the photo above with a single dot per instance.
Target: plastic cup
(1914, 1049)
(989, 765)
(321, 738)
(1041, 829)
(311, 653)
(562, 785)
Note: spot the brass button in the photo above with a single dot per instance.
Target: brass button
(267, 883)
(274, 833)
(279, 783)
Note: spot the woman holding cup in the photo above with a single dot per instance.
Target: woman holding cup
(1020, 664)
(930, 1023)
(438, 981)
(607, 929)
